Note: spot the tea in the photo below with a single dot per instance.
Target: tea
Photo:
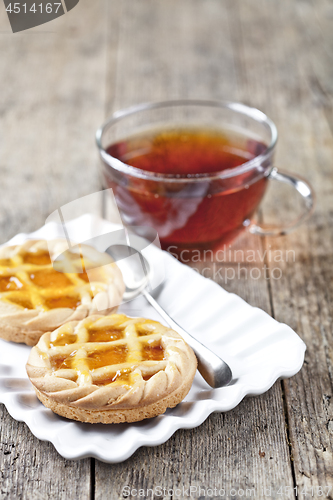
(187, 209)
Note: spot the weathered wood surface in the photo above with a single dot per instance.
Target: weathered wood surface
(52, 99)
(56, 88)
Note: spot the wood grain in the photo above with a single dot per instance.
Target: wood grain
(238, 450)
(302, 298)
(58, 83)
(234, 450)
(30, 468)
(52, 100)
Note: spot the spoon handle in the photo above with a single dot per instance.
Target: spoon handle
(213, 369)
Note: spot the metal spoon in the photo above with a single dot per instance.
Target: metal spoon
(136, 277)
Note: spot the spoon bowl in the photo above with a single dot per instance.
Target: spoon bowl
(134, 268)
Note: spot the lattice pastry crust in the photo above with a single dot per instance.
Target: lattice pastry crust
(34, 298)
(111, 369)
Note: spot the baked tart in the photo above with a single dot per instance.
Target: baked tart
(36, 298)
(111, 369)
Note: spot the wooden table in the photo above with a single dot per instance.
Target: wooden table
(58, 84)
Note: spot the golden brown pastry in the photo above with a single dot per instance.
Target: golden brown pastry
(35, 298)
(111, 369)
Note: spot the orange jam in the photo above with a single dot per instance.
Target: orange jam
(22, 301)
(120, 375)
(103, 351)
(49, 278)
(112, 356)
(64, 339)
(153, 351)
(105, 335)
(28, 292)
(70, 301)
(10, 283)
(40, 258)
(83, 276)
(62, 361)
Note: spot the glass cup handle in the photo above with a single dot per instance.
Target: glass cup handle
(305, 191)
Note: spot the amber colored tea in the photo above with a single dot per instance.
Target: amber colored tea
(202, 213)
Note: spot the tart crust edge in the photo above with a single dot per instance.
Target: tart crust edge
(116, 416)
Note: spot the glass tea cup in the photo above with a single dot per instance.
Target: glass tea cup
(189, 209)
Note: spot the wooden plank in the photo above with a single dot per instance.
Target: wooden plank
(301, 105)
(52, 99)
(162, 45)
(303, 300)
(190, 49)
(238, 450)
(30, 468)
(236, 50)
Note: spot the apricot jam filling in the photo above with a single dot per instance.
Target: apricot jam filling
(112, 356)
(41, 258)
(29, 281)
(61, 361)
(105, 334)
(107, 351)
(120, 376)
(64, 339)
(148, 377)
(153, 351)
(10, 283)
(97, 359)
(70, 301)
(22, 301)
(83, 276)
(49, 278)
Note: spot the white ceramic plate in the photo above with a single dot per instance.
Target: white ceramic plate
(258, 349)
